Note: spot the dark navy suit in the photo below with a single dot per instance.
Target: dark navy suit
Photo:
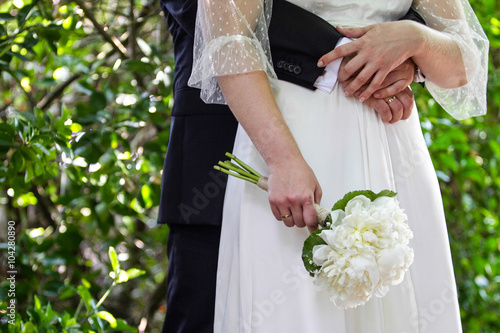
(192, 191)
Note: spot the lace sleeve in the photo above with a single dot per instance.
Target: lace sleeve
(457, 19)
(230, 38)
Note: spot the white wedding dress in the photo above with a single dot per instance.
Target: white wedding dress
(262, 285)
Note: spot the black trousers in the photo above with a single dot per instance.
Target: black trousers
(193, 253)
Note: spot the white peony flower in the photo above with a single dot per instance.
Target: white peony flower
(349, 278)
(366, 251)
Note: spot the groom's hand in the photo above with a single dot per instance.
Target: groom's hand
(394, 85)
(398, 109)
(396, 81)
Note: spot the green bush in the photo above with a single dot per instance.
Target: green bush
(86, 97)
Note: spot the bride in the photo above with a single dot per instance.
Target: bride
(317, 146)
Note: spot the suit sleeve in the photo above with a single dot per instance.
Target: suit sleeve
(183, 12)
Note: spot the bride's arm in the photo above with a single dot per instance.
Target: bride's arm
(293, 187)
(451, 52)
(232, 65)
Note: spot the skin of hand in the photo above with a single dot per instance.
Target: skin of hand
(395, 84)
(398, 109)
(292, 186)
(382, 47)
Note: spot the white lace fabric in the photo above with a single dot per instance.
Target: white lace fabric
(457, 19)
(231, 38)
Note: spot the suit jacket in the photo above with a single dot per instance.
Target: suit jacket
(296, 48)
(200, 134)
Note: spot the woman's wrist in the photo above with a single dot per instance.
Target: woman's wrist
(420, 39)
(438, 57)
(279, 158)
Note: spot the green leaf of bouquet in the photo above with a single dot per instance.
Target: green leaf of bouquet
(342, 203)
(384, 193)
(307, 251)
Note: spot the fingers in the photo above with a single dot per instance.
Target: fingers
(397, 80)
(318, 194)
(354, 32)
(311, 220)
(343, 75)
(375, 84)
(396, 110)
(381, 107)
(399, 108)
(406, 98)
(369, 76)
(297, 212)
(391, 90)
(292, 193)
(276, 212)
(337, 53)
(297, 216)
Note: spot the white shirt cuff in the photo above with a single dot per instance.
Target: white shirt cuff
(327, 81)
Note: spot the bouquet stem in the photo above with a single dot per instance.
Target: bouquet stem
(241, 170)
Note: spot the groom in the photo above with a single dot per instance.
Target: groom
(192, 192)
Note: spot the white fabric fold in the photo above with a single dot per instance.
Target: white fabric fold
(327, 81)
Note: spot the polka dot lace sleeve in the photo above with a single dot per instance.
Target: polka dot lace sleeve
(457, 19)
(230, 38)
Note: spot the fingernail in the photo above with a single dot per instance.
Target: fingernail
(320, 63)
(362, 99)
(346, 93)
(376, 95)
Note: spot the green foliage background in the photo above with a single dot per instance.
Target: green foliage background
(84, 122)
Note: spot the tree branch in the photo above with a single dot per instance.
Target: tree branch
(155, 299)
(132, 32)
(43, 204)
(47, 100)
(115, 43)
(139, 21)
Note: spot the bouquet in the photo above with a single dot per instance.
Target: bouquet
(362, 248)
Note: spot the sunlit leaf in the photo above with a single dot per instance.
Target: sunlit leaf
(108, 317)
(113, 258)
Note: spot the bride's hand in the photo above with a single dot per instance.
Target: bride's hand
(379, 49)
(293, 189)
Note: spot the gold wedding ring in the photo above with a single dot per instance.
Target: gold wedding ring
(390, 100)
(286, 216)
